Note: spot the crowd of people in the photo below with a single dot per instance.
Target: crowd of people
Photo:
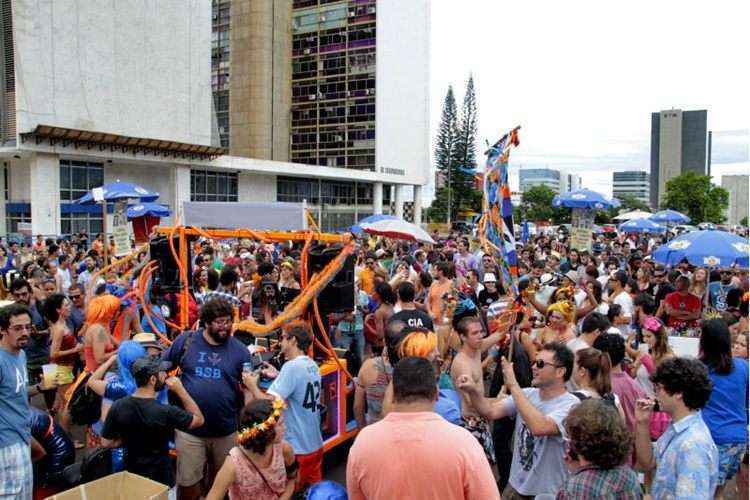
(571, 389)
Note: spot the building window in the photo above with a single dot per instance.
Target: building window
(6, 177)
(78, 178)
(206, 185)
(295, 190)
(13, 219)
(73, 223)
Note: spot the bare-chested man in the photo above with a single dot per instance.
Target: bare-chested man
(468, 361)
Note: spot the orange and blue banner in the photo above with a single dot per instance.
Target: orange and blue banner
(497, 227)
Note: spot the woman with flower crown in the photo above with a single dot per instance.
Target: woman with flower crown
(263, 465)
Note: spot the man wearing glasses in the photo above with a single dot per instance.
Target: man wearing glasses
(211, 363)
(78, 310)
(538, 465)
(15, 416)
(367, 275)
(718, 290)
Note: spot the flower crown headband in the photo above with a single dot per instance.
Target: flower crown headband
(252, 432)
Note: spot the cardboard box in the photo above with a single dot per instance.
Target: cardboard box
(119, 486)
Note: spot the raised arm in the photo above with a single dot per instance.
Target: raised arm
(175, 385)
(96, 382)
(538, 423)
(491, 409)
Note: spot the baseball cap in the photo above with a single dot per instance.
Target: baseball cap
(489, 278)
(246, 256)
(146, 366)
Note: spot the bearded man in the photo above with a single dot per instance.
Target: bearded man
(210, 362)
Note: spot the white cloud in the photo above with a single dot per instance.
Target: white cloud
(582, 78)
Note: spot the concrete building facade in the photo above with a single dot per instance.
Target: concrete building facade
(680, 142)
(635, 183)
(530, 177)
(570, 182)
(142, 93)
(739, 202)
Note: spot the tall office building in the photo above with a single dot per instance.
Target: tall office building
(633, 183)
(251, 49)
(147, 93)
(680, 142)
(530, 177)
(738, 187)
(360, 71)
(570, 182)
(306, 81)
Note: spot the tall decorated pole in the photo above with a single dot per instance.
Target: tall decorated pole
(496, 225)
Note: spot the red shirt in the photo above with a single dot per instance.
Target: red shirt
(679, 302)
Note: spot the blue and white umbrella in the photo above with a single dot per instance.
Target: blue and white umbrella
(115, 191)
(584, 198)
(705, 248)
(671, 216)
(641, 226)
(357, 228)
(152, 209)
(393, 227)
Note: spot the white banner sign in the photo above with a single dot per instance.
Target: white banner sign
(581, 227)
(120, 229)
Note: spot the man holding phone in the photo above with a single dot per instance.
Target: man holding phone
(538, 465)
(298, 384)
(685, 457)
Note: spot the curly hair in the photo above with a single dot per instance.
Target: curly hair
(215, 308)
(685, 376)
(255, 412)
(597, 432)
(51, 305)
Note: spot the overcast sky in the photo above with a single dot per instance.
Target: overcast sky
(582, 77)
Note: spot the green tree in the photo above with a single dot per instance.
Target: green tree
(536, 205)
(695, 196)
(445, 144)
(743, 221)
(455, 157)
(462, 177)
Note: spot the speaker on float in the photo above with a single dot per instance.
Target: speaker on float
(338, 295)
(167, 276)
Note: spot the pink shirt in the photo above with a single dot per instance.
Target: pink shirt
(628, 391)
(418, 455)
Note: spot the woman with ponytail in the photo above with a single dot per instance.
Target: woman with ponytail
(591, 375)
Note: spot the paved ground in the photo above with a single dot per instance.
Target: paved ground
(334, 463)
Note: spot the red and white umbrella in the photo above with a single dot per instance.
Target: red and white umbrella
(397, 229)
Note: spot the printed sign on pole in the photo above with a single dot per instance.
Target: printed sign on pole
(581, 228)
(120, 230)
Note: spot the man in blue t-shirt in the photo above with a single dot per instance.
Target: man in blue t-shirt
(211, 362)
(16, 480)
(299, 385)
(718, 290)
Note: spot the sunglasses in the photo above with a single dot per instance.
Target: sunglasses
(74, 297)
(540, 363)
